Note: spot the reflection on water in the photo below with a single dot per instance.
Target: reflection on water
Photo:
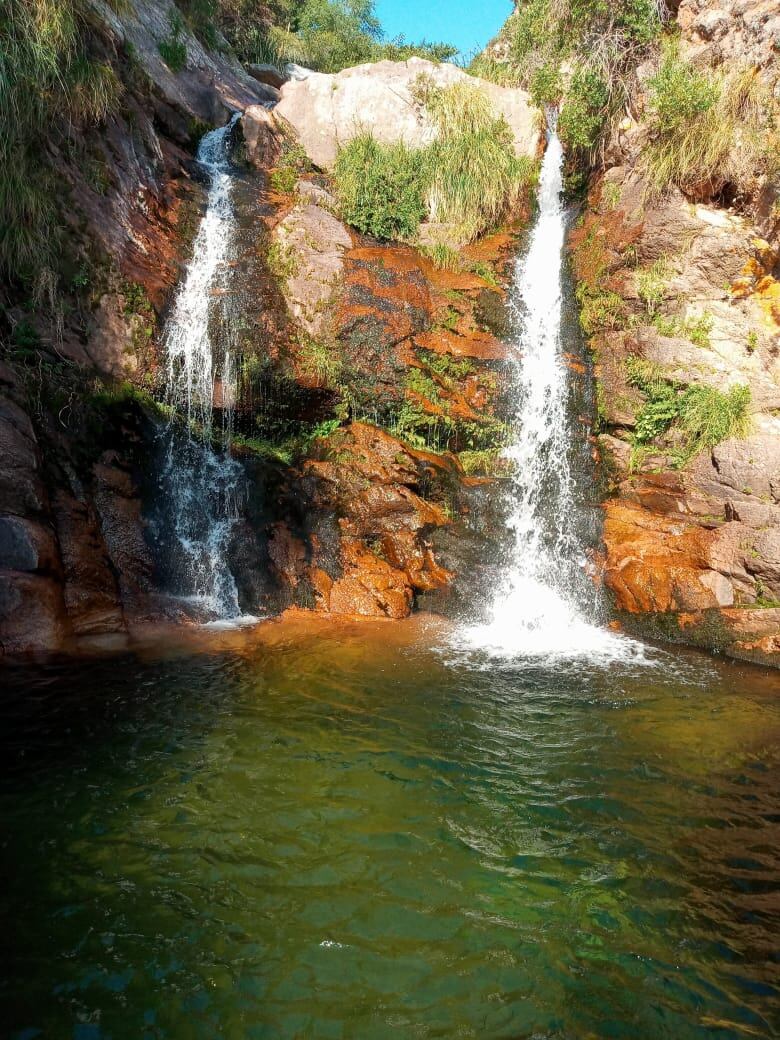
(338, 832)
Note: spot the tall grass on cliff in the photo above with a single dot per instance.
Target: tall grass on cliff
(47, 82)
(707, 128)
(579, 54)
(468, 178)
(473, 175)
(693, 419)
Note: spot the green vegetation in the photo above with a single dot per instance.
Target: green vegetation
(443, 256)
(291, 164)
(467, 178)
(584, 110)
(49, 84)
(473, 174)
(380, 188)
(651, 284)
(326, 35)
(697, 417)
(706, 127)
(600, 309)
(697, 330)
(581, 53)
(321, 362)
(173, 50)
(281, 261)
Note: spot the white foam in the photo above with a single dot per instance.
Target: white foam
(540, 609)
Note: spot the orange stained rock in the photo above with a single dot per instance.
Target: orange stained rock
(654, 564)
(370, 586)
(482, 346)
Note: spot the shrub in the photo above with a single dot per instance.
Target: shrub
(706, 127)
(584, 110)
(545, 85)
(679, 93)
(380, 188)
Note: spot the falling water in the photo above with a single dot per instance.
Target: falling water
(200, 481)
(546, 604)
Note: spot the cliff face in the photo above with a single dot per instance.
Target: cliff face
(74, 428)
(681, 300)
(368, 407)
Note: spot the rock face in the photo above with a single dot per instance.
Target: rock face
(74, 560)
(688, 286)
(326, 111)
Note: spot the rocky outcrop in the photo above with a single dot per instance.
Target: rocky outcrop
(326, 111)
(74, 561)
(686, 286)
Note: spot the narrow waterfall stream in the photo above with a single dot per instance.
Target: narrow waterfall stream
(546, 604)
(201, 482)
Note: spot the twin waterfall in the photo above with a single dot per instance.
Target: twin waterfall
(200, 481)
(545, 602)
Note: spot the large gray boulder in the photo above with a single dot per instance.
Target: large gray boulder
(328, 110)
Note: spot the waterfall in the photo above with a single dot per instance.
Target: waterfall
(546, 603)
(201, 481)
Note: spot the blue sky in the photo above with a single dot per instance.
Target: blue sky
(469, 24)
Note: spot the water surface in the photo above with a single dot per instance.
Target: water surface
(341, 831)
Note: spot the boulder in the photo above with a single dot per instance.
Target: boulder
(327, 110)
(268, 74)
(262, 136)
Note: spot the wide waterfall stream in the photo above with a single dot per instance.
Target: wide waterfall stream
(326, 829)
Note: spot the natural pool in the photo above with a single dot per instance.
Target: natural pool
(318, 830)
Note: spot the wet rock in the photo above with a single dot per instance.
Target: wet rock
(32, 613)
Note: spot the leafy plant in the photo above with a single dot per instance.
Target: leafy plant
(584, 110)
(702, 416)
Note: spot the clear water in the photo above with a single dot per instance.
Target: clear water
(341, 831)
(546, 604)
(200, 485)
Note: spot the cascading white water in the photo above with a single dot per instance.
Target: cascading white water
(546, 604)
(201, 482)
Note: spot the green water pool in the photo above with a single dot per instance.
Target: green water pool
(353, 831)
